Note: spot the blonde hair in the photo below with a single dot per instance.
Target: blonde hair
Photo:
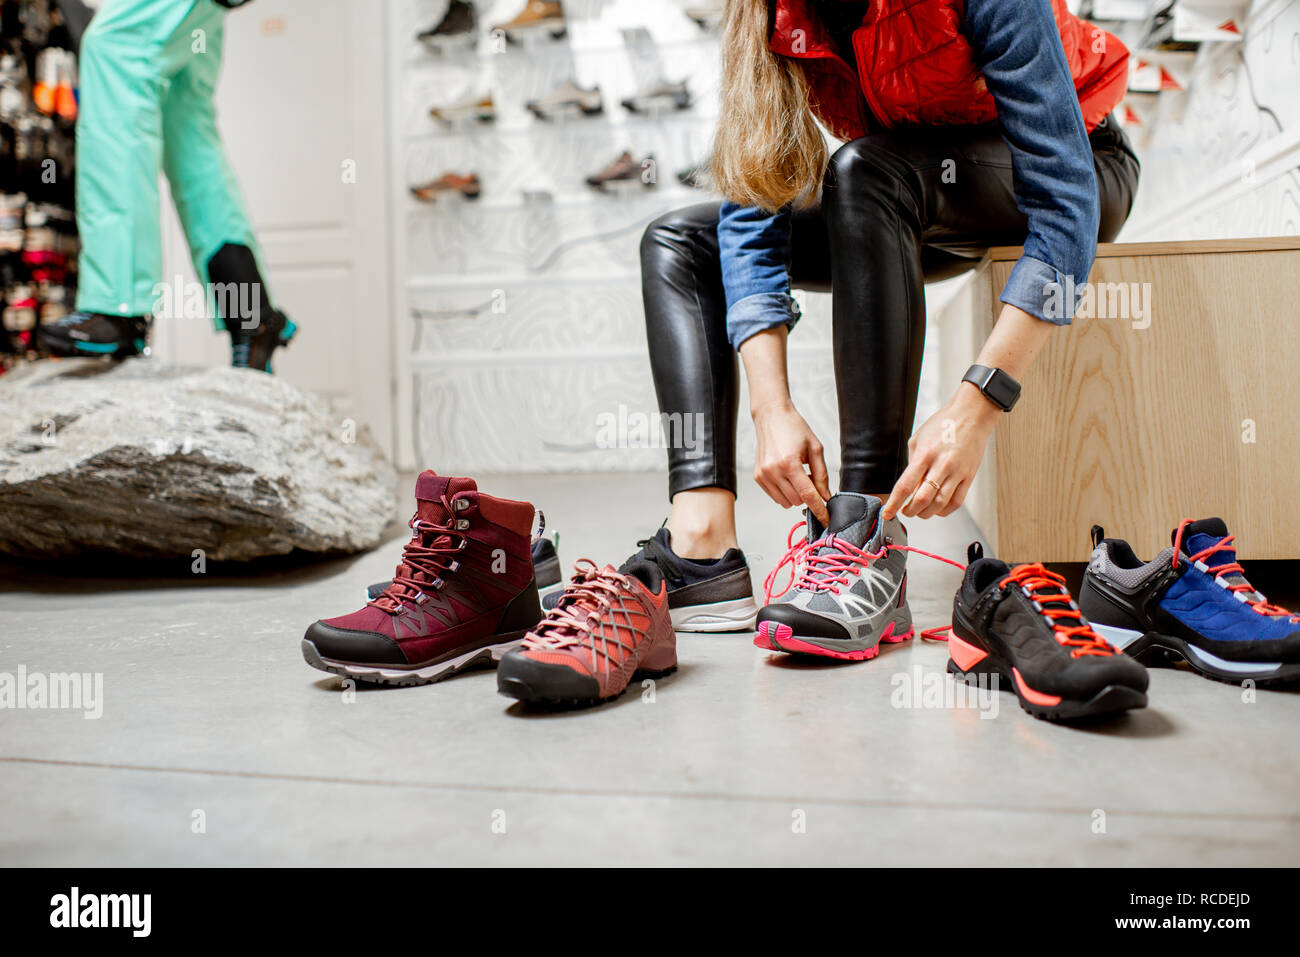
(768, 150)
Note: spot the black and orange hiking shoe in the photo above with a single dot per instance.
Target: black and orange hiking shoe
(1018, 627)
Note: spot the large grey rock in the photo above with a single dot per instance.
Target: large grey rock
(152, 459)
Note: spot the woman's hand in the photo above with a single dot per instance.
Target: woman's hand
(943, 456)
(785, 445)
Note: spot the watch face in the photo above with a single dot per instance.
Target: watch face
(1002, 389)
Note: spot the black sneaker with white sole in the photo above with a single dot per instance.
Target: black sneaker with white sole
(704, 595)
(1018, 627)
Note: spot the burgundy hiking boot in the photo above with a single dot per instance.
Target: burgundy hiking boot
(464, 593)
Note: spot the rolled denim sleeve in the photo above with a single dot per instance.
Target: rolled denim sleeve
(1018, 49)
(754, 246)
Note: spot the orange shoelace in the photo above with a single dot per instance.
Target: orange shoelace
(1041, 586)
(1243, 587)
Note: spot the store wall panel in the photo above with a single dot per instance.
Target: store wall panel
(1221, 157)
(553, 413)
(520, 321)
(301, 105)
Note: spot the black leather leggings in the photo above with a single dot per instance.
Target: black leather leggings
(894, 214)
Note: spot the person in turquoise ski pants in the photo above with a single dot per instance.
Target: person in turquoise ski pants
(148, 72)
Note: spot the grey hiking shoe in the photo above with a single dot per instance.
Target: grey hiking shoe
(849, 593)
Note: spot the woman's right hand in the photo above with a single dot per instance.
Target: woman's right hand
(785, 445)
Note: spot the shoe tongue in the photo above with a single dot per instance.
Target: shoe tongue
(583, 603)
(431, 488)
(852, 518)
(1043, 592)
(1206, 533)
(1201, 534)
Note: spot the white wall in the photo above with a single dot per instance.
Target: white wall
(524, 388)
(1222, 157)
(302, 93)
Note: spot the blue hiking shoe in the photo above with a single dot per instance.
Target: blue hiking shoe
(1193, 600)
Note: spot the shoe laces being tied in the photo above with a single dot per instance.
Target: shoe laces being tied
(821, 565)
(1052, 600)
(588, 601)
(426, 558)
(1245, 592)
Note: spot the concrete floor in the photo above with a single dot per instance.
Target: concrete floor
(741, 757)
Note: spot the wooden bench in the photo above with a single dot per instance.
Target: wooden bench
(1134, 422)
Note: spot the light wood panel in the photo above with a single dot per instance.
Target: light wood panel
(1135, 428)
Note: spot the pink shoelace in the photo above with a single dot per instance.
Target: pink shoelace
(591, 595)
(423, 556)
(830, 570)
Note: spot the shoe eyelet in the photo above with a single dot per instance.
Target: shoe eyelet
(454, 566)
(460, 504)
(462, 524)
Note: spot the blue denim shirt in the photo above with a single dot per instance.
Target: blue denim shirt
(1018, 48)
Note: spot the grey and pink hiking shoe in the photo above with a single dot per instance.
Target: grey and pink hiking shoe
(463, 595)
(848, 591)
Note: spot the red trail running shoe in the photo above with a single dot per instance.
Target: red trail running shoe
(609, 628)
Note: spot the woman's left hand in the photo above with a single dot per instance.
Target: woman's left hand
(943, 456)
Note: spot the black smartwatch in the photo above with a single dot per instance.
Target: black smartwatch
(998, 387)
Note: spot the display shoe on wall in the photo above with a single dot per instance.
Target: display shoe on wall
(848, 590)
(538, 16)
(1192, 601)
(94, 334)
(626, 172)
(1017, 629)
(546, 570)
(463, 595)
(659, 97)
(707, 13)
(696, 176)
(458, 23)
(608, 629)
(714, 595)
(474, 106)
(466, 184)
(567, 98)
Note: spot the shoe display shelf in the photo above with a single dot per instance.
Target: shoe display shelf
(531, 292)
(38, 232)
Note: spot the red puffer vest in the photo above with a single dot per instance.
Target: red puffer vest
(916, 66)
